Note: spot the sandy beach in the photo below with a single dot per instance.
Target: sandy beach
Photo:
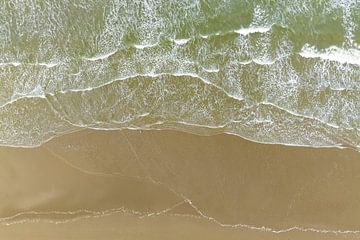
(159, 184)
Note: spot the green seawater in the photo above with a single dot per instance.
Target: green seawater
(284, 72)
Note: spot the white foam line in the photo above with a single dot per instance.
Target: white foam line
(252, 227)
(140, 46)
(216, 70)
(49, 65)
(86, 214)
(44, 64)
(249, 30)
(164, 211)
(307, 117)
(223, 130)
(15, 64)
(100, 57)
(285, 110)
(241, 31)
(92, 213)
(207, 82)
(152, 127)
(181, 41)
(20, 98)
(268, 229)
(263, 61)
(152, 75)
(336, 54)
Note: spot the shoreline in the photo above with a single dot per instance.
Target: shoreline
(229, 180)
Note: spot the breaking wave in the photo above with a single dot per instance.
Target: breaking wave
(284, 73)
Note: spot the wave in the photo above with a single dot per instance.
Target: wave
(247, 31)
(262, 71)
(100, 57)
(143, 102)
(350, 56)
(337, 79)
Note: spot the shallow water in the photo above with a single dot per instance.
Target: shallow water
(284, 72)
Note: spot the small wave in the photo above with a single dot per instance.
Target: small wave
(181, 41)
(350, 56)
(48, 65)
(142, 46)
(244, 31)
(100, 57)
(44, 64)
(215, 70)
(263, 61)
(303, 116)
(37, 92)
(249, 30)
(15, 64)
(150, 75)
(223, 129)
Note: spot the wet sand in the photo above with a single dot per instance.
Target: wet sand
(161, 227)
(173, 185)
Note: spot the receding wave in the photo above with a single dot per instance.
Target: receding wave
(163, 102)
